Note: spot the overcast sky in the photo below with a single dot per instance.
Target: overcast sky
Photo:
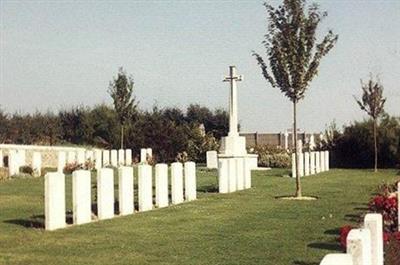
(58, 54)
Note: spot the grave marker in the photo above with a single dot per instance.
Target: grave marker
(125, 190)
(161, 185)
(145, 191)
(176, 183)
(105, 193)
(190, 181)
(54, 203)
(81, 196)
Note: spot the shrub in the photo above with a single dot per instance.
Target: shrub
(26, 170)
(270, 156)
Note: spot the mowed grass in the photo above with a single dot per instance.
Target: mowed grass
(246, 227)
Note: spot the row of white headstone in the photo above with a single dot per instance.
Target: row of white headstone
(364, 246)
(234, 173)
(311, 163)
(183, 186)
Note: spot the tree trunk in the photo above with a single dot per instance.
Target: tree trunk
(122, 136)
(375, 147)
(296, 154)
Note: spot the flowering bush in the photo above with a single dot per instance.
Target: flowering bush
(344, 232)
(387, 206)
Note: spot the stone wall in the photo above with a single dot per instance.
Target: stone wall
(274, 139)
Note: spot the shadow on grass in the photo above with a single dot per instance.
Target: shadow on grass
(35, 221)
(298, 262)
(333, 232)
(208, 189)
(325, 246)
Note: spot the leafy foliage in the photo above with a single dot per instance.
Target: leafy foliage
(372, 100)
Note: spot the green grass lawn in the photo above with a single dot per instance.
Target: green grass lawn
(246, 227)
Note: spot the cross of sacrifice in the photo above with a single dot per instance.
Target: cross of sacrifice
(233, 115)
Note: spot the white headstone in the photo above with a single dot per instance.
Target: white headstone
(143, 155)
(13, 163)
(306, 164)
(89, 155)
(247, 174)
(61, 161)
(149, 153)
(128, 157)
(121, 157)
(81, 196)
(301, 163)
(374, 223)
(190, 181)
(312, 163)
(176, 183)
(359, 246)
(71, 157)
(337, 259)
(98, 159)
(293, 165)
(37, 164)
(21, 157)
(322, 161)
(239, 173)
(286, 140)
(80, 157)
(125, 190)
(212, 159)
(106, 158)
(326, 160)
(232, 185)
(223, 174)
(162, 185)
(145, 192)
(105, 193)
(312, 142)
(54, 202)
(114, 158)
(317, 162)
(1, 159)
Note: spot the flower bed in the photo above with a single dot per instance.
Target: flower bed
(385, 203)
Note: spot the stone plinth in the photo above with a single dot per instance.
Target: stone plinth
(81, 196)
(54, 201)
(106, 158)
(190, 181)
(223, 173)
(145, 190)
(128, 157)
(359, 246)
(374, 223)
(232, 186)
(247, 173)
(105, 193)
(239, 173)
(125, 190)
(233, 145)
(161, 185)
(121, 157)
(176, 183)
(61, 161)
(114, 158)
(212, 159)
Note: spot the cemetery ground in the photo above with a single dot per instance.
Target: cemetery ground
(247, 227)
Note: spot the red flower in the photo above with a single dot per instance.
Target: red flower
(386, 237)
(344, 232)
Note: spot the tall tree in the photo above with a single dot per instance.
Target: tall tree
(293, 53)
(121, 91)
(372, 102)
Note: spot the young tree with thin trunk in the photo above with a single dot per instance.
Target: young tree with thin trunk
(372, 103)
(121, 89)
(293, 53)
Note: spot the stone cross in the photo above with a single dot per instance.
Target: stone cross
(233, 116)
